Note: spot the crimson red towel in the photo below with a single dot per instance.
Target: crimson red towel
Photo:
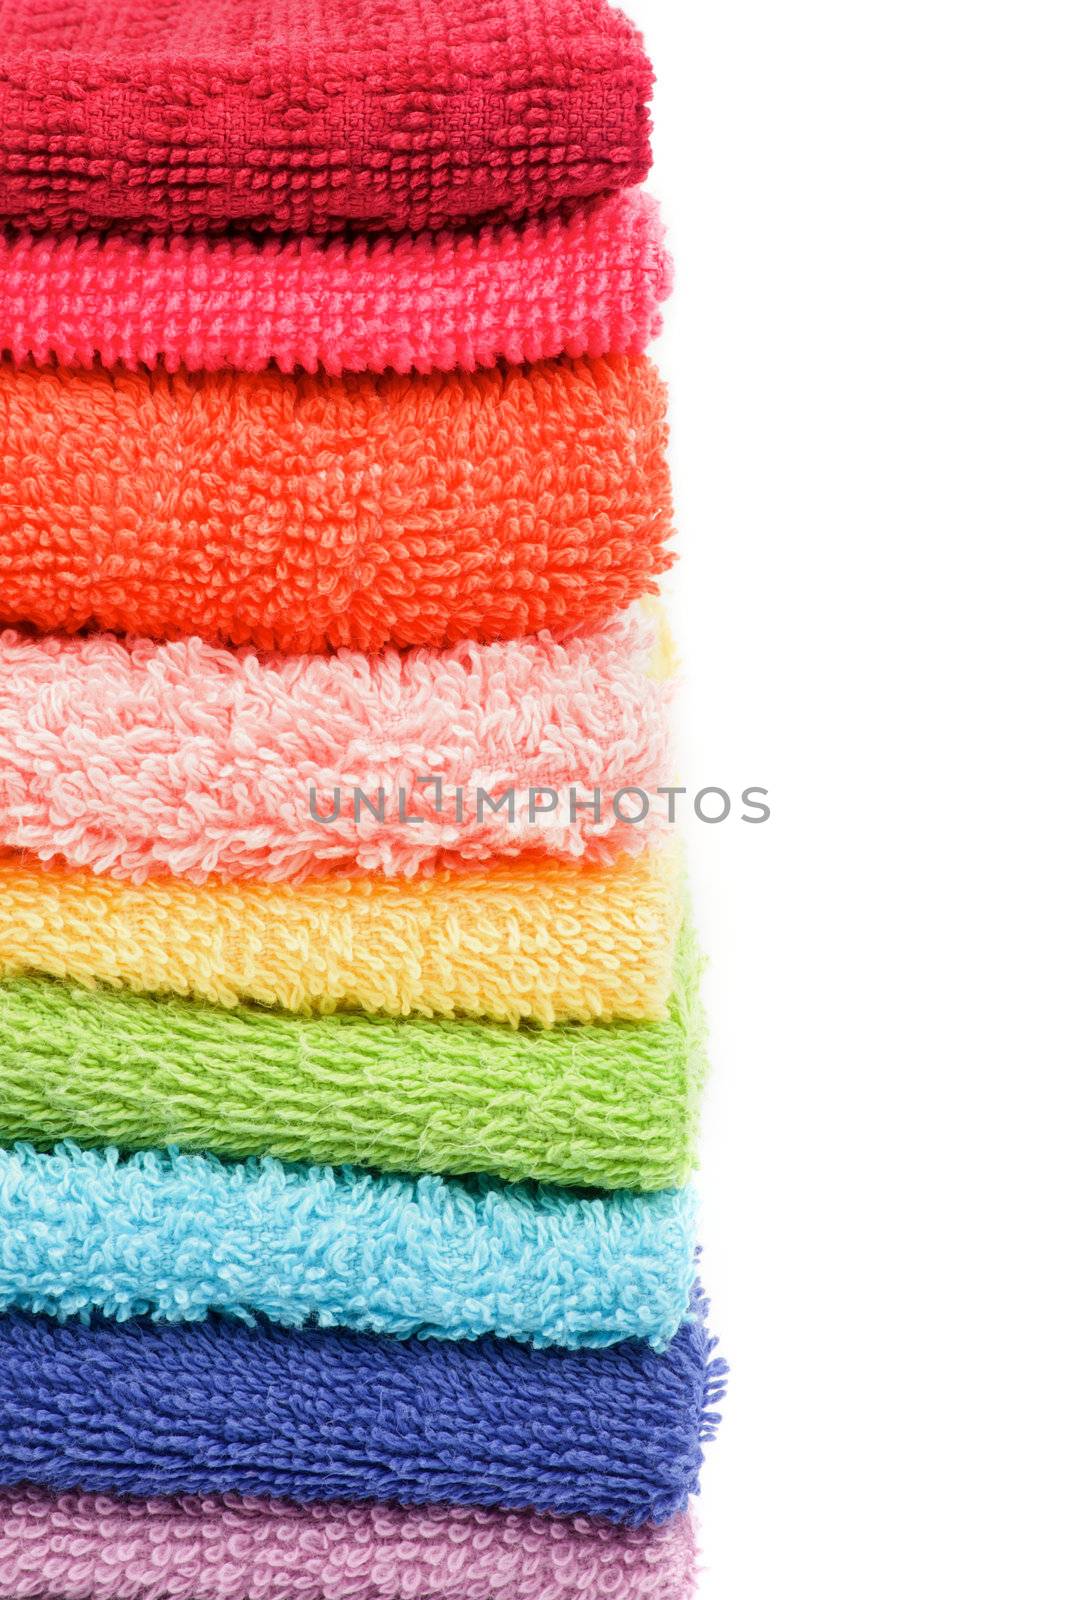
(307, 114)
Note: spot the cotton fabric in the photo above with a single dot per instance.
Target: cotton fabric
(585, 282)
(143, 1408)
(300, 513)
(610, 1106)
(231, 1547)
(178, 1236)
(513, 941)
(137, 759)
(308, 114)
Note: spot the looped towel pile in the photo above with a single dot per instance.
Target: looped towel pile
(307, 115)
(351, 1049)
(612, 1104)
(299, 765)
(102, 1547)
(176, 1236)
(588, 281)
(211, 1407)
(298, 513)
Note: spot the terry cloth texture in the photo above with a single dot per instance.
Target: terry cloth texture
(546, 941)
(608, 1105)
(95, 1547)
(296, 513)
(145, 1408)
(178, 1236)
(139, 759)
(308, 113)
(586, 284)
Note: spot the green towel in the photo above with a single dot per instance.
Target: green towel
(611, 1105)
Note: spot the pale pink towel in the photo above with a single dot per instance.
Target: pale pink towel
(589, 284)
(94, 1547)
(137, 759)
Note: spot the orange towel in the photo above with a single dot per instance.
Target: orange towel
(298, 513)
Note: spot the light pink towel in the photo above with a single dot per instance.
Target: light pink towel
(589, 284)
(137, 759)
(94, 1547)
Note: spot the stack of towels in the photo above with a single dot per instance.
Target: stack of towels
(350, 1050)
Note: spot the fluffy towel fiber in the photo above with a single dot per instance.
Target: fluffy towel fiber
(611, 1105)
(308, 113)
(296, 513)
(547, 941)
(589, 283)
(96, 1547)
(137, 759)
(144, 1408)
(180, 1235)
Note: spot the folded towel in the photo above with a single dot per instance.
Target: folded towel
(585, 284)
(179, 1236)
(606, 1105)
(145, 1408)
(139, 759)
(96, 1547)
(296, 513)
(547, 941)
(305, 114)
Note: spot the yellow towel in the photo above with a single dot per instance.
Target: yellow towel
(544, 941)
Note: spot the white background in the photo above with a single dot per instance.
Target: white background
(870, 364)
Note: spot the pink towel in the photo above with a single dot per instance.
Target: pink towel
(94, 1547)
(590, 284)
(138, 759)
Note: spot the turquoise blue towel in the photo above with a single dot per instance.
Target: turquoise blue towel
(178, 1236)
